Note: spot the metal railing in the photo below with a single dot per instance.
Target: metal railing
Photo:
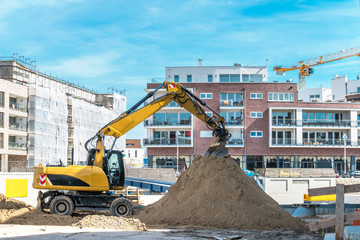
(183, 141)
(239, 122)
(17, 126)
(19, 107)
(14, 145)
(315, 123)
(167, 123)
(312, 142)
(231, 103)
(235, 141)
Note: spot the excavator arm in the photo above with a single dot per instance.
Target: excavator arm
(132, 117)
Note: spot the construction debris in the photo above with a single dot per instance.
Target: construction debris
(214, 192)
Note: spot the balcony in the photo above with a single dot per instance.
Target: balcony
(231, 103)
(17, 146)
(183, 141)
(235, 142)
(148, 123)
(19, 107)
(238, 122)
(329, 123)
(313, 142)
(17, 126)
(286, 122)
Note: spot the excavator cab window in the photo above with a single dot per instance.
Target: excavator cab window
(115, 169)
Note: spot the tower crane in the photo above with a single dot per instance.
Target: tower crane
(306, 66)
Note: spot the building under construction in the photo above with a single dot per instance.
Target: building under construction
(47, 120)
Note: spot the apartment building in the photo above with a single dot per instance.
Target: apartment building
(269, 126)
(13, 125)
(49, 119)
(134, 154)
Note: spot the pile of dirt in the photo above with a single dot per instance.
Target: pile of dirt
(16, 212)
(215, 192)
(105, 222)
(9, 203)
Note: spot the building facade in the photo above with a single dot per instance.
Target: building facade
(269, 127)
(134, 154)
(342, 86)
(49, 120)
(315, 95)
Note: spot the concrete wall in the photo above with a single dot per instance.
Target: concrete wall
(309, 95)
(342, 86)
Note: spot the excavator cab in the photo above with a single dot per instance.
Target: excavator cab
(113, 166)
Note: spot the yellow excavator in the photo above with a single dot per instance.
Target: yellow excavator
(93, 185)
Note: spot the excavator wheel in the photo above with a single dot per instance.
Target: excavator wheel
(121, 207)
(62, 205)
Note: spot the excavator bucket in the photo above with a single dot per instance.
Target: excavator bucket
(217, 150)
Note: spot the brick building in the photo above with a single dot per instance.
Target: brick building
(269, 126)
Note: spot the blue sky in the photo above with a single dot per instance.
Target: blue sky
(123, 44)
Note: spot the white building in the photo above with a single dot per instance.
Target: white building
(134, 154)
(236, 73)
(320, 94)
(13, 125)
(59, 116)
(342, 86)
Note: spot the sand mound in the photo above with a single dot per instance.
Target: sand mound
(215, 192)
(8, 203)
(100, 221)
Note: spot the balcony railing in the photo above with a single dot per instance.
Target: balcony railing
(19, 146)
(315, 123)
(17, 126)
(231, 103)
(286, 122)
(312, 142)
(235, 141)
(239, 122)
(183, 141)
(167, 123)
(19, 107)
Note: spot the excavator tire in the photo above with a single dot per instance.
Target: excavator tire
(62, 205)
(121, 207)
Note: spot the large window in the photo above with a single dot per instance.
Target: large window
(282, 119)
(170, 138)
(172, 119)
(210, 78)
(282, 138)
(233, 118)
(229, 77)
(231, 99)
(2, 97)
(323, 138)
(281, 97)
(252, 77)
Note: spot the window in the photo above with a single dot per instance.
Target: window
(206, 95)
(1, 140)
(256, 114)
(2, 96)
(256, 134)
(176, 78)
(189, 78)
(231, 99)
(210, 114)
(1, 119)
(210, 78)
(229, 77)
(135, 153)
(358, 89)
(252, 78)
(281, 97)
(256, 96)
(317, 96)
